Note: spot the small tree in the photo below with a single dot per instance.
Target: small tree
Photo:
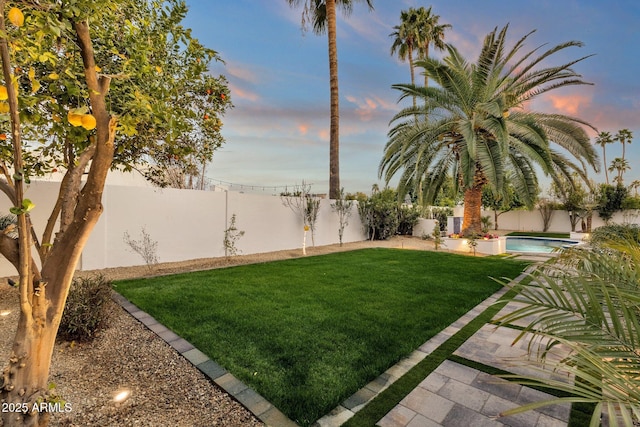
(305, 206)
(610, 201)
(546, 208)
(506, 201)
(313, 208)
(573, 196)
(146, 247)
(89, 87)
(231, 237)
(342, 208)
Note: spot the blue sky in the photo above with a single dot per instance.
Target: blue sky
(277, 134)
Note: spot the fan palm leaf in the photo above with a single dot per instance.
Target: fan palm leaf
(587, 301)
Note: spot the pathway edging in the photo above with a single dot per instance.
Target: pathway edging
(249, 398)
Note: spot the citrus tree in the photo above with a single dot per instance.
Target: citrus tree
(86, 87)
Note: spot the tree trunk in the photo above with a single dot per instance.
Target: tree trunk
(472, 219)
(334, 131)
(25, 379)
(472, 211)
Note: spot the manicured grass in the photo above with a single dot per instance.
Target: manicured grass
(307, 333)
(532, 234)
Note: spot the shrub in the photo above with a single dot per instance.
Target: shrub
(631, 202)
(407, 219)
(615, 233)
(611, 199)
(87, 311)
(146, 247)
(379, 214)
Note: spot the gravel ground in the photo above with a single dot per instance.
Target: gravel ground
(165, 389)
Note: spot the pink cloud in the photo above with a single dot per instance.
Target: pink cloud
(303, 128)
(569, 104)
(237, 92)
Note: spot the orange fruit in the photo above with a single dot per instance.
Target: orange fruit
(88, 121)
(3, 93)
(16, 17)
(74, 119)
(3, 136)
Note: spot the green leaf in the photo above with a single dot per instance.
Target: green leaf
(27, 205)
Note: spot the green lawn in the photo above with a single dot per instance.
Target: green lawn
(309, 332)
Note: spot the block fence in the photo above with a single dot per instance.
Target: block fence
(187, 224)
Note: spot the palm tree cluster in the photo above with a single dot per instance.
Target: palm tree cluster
(476, 125)
(418, 29)
(620, 164)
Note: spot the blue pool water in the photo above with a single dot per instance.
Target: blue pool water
(536, 244)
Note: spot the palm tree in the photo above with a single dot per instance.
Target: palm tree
(431, 33)
(587, 301)
(417, 30)
(634, 186)
(478, 129)
(620, 165)
(602, 140)
(322, 14)
(407, 38)
(624, 136)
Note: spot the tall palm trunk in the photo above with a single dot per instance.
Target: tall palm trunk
(334, 131)
(412, 70)
(472, 217)
(604, 162)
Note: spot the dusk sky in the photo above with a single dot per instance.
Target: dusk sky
(278, 132)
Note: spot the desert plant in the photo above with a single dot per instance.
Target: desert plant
(486, 223)
(472, 241)
(231, 237)
(437, 236)
(587, 301)
(342, 207)
(87, 310)
(407, 219)
(146, 247)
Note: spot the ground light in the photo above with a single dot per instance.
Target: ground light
(121, 396)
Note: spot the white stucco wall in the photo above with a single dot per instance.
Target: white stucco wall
(187, 224)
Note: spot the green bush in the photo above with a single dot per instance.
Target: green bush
(379, 214)
(407, 219)
(611, 199)
(631, 202)
(87, 310)
(604, 235)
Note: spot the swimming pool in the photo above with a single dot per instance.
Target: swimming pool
(537, 244)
